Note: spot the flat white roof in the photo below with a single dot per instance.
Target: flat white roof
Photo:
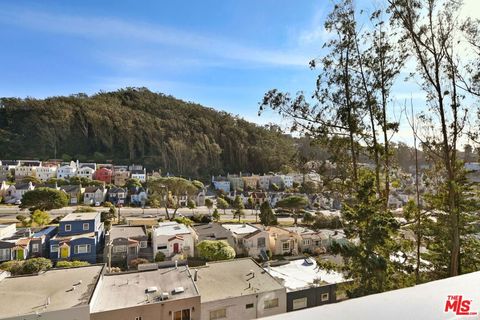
(80, 216)
(170, 228)
(425, 301)
(297, 275)
(240, 228)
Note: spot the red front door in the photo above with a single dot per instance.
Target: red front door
(175, 248)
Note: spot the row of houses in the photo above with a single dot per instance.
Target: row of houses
(177, 241)
(45, 171)
(81, 236)
(234, 182)
(235, 289)
(78, 194)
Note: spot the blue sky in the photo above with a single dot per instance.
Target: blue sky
(223, 54)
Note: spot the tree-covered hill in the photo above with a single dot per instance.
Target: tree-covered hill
(137, 125)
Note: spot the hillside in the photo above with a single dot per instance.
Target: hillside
(137, 125)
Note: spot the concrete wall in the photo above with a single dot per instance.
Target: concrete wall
(237, 310)
(155, 311)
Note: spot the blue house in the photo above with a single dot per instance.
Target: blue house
(80, 237)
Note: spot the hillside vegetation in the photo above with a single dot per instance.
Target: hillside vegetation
(137, 125)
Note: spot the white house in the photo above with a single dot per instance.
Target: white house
(15, 192)
(139, 174)
(264, 182)
(67, 171)
(172, 238)
(288, 181)
(85, 172)
(93, 195)
(46, 173)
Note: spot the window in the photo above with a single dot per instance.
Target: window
(138, 318)
(143, 244)
(35, 247)
(81, 248)
(162, 248)
(317, 243)
(306, 242)
(5, 254)
(249, 306)
(119, 249)
(272, 303)
(299, 303)
(86, 226)
(261, 242)
(325, 297)
(286, 246)
(54, 248)
(182, 315)
(218, 314)
(68, 227)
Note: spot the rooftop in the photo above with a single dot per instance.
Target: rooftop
(233, 278)
(124, 290)
(81, 216)
(126, 231)
(298, 275)
(425, 301)
(211, 231)
(170, 228)
(29, 294)
(240, 228)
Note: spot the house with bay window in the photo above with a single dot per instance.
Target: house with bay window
(80, 237)
(126, 243)
(26, 243)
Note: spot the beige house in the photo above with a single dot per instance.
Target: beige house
(309, 240)
(250, 182)
(120, 178)
(282, 241)
(238, 289)
(57, 294)
(158, 294)
(244, 237)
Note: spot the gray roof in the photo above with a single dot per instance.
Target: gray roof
(28, 294)
(126, 290)
(70, 188)
(228, 279)
(126, 232)
(93, 189)
(211, 231)
(116, 190)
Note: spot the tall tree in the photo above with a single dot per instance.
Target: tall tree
(431, 29)
(44, 199)
(294, 203)
(238, 207)
(371, 233)
(170, 190)
(267, 216)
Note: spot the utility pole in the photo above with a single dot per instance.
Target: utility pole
(109, 245)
